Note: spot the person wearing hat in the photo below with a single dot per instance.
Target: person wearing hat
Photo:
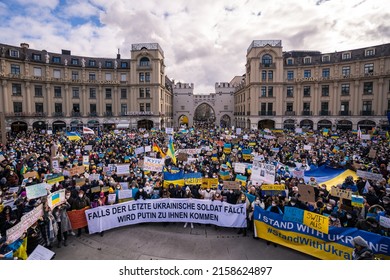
(361, 250)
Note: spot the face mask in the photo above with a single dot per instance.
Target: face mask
(328, 207)
(333, 219)
(1, 192)
(80, 195)
(349, 216)
(292, 203)
(67, 196)
(231, 191)
(11, 173)
(273, 204)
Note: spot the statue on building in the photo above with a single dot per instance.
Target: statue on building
(115, 64)
(100, 64)
(66, 62)
(3, 51)
(47, 56)
(83, 62)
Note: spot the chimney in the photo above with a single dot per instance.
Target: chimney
(24, 45)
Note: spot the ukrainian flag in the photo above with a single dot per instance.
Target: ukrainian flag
(224, 175)
(175, 179)
(171, 150)
(55, 199)
(241, 178)
(246, 154)
(227, 148)
(73, 136)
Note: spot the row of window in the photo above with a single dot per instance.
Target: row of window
(345, 90)
(345, 71)
(58, 108)
(38, 92)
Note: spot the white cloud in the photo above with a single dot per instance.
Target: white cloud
(204, 41)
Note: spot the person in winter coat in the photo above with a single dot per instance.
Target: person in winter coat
(79, 203)
(63, 222)
(361, 250)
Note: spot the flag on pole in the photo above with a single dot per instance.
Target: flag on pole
(157, 149)
(359, 133)
(87, 130)
(73, 136)
(171, 150)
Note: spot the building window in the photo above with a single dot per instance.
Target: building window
(306, 106)
(307, 73)
(39, 107)
(290, 61)
(108, 107)
(141, 107)
(144, 61)
(345, 89)
(123, 93)
(123, 77)
(147, 92)
(37, 72)
(92, 93)
(367, 106)
(290, 75)
(306, 91)
(263, 91)
(76, 108)
(14, 53)
(307, 60)
(141, 77)
(124, 108)
(18, 107)
(17, 89)
(263, 75)
(108, 93)
(226, 107)
(75, 92)
(57, 92)
(141, 93)
(56, 73)
(270, 91)
(289, 107)
(92, 63)
(369, 68)
(344, 108)
(38, 91)
(108, 77)
(325, 73)
(108, 64)
(58, 107)
(325, 58)
(56, 59)
(263, 107)
(147, 77)
(325, 90)
(92, 76)
(266, 60)
(75, 75)
(36, 57)
(369, 52)
(367, 87)
(124, 64)
(290, 91)
(346, 71)
(324, 106)
(147, 107)
(92, 108)
(15, 69)
(346, 56)
(270, 75)
(74, 61)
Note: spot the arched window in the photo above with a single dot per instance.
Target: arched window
(266, 60)
(144, 61)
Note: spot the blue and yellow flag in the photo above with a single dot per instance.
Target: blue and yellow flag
(224, 175)
(73, 136)
(193, 178)
(175, 179)
(171, 150)
(242, 179)
(246, 154)
(227, 148)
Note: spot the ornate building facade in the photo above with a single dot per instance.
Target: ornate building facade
(46, 90)
(340, 90)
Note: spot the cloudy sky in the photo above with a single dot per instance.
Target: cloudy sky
(204, 41)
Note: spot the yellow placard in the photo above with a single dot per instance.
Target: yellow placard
(316, 221)
(273, 187)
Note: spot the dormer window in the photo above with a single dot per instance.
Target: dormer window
(144, 61)
(369, 52)
(75, 61)
(14, 53)
(290, 61)
(346, 55)
(325, 58)
(36, 56)
(307, 60)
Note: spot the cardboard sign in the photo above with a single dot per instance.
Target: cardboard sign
(306, 193)
(311, 140)
(77, 218)
(334, 191)
(95, 189)
(372, 153)
(281, 140)
(32, 174)
(88, 148)
(80, 181)
(316, 221)
(231, 185)
(369, 175)
(182, 157)
(76, 170)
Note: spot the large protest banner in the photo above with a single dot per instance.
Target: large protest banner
(153, 164)
(26, 221)
(37, 190)
(166, 210)
(77, 218)
(336, 245)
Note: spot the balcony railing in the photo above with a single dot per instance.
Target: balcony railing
(267, 65)
(307, 113)
(93, 114)
(366, 113)
(58, 114)
(325, 113)
(76, 114)
(386, 112)
(345, 113)
(267, 113)
(39, 114)
(289, 113)
(108, 114)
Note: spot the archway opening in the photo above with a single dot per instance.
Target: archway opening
(147, 124)
(204, 116)
(93, 123)
(270, 124)
(225, 121)
(344, 125)
(58, 126)
(18, 126)
(366, 125)
(324, 124)
(289, 124)
(306, 124)
(39, 126)
(76, 125)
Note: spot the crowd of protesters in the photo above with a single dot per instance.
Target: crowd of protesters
(35, 151)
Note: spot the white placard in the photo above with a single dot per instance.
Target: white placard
(122, 169)
(41, 253)
(148, 149)
(263, 173)
(239, 168)
(169, 130)
(384, 221)
(139, 150)
(365, 137)
(153, 164)
(94, 177)
(111, 198)
(88, 148)
(307, 147)
(238, 130)
(124, 185)
(124, 194)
